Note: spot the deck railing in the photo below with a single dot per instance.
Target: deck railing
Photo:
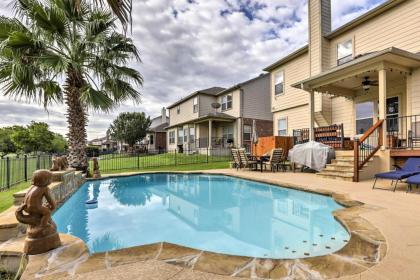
(403, 132)
(366, 147)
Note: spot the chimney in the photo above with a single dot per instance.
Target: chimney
(319, 25)
(163, 115)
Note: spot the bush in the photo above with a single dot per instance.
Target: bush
(92, 151)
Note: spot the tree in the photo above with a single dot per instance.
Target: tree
(6, 144)
(129, 128)
(56, 42)
(58, 144)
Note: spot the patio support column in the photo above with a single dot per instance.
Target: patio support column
(382, 103)
(210, 133)
(311, 115)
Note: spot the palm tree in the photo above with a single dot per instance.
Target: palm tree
(57, 53)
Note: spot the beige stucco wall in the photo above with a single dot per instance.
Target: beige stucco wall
(297, 118)
(398, 27)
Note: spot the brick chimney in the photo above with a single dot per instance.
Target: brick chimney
(319, 25)
(163, 115)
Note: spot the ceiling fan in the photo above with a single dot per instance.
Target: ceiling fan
(367, 83)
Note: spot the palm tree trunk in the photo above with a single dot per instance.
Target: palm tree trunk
(77, 121)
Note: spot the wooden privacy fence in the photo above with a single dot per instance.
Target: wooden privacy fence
(266, 144)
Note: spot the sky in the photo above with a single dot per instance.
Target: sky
(187, 45)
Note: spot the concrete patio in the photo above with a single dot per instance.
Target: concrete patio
(394, 214)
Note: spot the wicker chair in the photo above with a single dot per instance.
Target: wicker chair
(276, 160)
(245, 161)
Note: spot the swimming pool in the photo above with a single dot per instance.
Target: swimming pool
(214, 213)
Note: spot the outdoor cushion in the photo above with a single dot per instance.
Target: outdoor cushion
(414, 180)
(396, 175)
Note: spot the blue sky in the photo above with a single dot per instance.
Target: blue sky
(188, 45)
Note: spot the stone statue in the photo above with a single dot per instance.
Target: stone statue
(42, 233)
(96, 172)
(59, 163)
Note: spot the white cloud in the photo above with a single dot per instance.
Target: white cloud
(189, 46)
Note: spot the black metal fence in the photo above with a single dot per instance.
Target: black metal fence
(14, 170)
(159, 158)
(403, 132)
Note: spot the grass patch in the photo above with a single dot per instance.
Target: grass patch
(191, 167)
(6, 197)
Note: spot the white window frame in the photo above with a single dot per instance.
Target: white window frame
(172, 137)
(186, 132)
(347, 58)
(180, 135)
(195, 104)
(282, 132)
(250, 132)
(191, 135)
(229, 131)
(226, 103)
(281, 85)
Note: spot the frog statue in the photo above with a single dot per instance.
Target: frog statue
(41, 233)
(96, 172)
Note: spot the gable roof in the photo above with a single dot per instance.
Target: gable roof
(213, 91)
(159, 128)
(261, 76)
(364, 17)
(287, 58)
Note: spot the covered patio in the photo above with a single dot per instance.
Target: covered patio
(379, 86)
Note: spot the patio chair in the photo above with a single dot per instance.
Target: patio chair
(276, 160)
(410, 168)
(413, 180)
(236, 159)
(245, 161)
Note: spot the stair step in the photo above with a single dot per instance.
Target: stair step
(337, 172)
(336, 177)
(341, 168)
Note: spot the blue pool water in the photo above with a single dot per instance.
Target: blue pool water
(207, 212)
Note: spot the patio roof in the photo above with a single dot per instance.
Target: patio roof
(391, 58)
(211, 116)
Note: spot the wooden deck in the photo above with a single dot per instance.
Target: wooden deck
(405, 153)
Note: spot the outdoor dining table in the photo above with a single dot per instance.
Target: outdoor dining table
(260, 160)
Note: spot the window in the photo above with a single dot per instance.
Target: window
(195, 104)
(392, 110)
(279, 83)
(364, 116)
(185, 135)
(172, 137)
(226, 102)
(192, 134)
(178, 109)
(344, 52)
(151, 139)
(247, 132)
(228, 133)
(180, 135)
(282, 127)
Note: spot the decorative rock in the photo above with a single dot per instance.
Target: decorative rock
(42, 233)
(96, 172)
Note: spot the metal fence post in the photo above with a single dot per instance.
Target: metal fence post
(138, 160)
(175, 158)
(38, 162)
(207, 155)
(25, 167)
(7, 172)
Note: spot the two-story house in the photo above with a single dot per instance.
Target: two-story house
(219, 118)
(364, 75)
(156, 135)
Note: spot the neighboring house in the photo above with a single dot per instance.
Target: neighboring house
(197, 124)
(364, 71)
(156, 135)
(104, 144)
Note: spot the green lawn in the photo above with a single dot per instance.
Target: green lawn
(125, 161)
(6, 197)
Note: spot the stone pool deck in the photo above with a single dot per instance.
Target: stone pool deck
(394, 214)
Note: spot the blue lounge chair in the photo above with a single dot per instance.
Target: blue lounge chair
(413, 180)
(410, 168)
